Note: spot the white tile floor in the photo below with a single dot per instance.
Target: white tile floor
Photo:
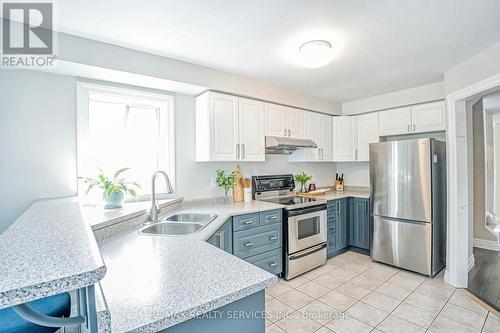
(351, 293)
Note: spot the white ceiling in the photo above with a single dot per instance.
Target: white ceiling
(382, 45)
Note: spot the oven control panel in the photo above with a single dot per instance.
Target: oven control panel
(272, 183)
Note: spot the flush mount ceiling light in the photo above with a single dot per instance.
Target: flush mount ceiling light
(316, 53)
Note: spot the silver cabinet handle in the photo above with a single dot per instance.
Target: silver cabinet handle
(220, 234)
(248, 244)
(248, 222)
(237, 151)
(338, 207)
(273, 238)
(366, 208)
(273, 264)
(243, 154)
(409, 130)
(288, 132)
(414, 127)
(356, 153)
(284, 132)
(273, 217)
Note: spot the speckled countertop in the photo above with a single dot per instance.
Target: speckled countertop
(48, 250)
(333, 195)
(165, 280)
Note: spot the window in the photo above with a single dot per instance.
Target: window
(122, 128)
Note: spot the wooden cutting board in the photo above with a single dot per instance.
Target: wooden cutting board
(314, 193)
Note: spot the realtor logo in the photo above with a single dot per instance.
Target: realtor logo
(27, 34)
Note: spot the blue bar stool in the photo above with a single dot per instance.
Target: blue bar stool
(55, 306)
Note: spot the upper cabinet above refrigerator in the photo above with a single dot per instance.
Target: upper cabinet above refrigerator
(421, 118)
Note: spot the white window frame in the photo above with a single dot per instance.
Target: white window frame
(84, 90)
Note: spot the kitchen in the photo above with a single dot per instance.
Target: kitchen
(293, 262)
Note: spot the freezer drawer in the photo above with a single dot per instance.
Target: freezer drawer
(403, 244)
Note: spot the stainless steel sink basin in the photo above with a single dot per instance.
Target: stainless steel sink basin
(192, 217)
(172, 228)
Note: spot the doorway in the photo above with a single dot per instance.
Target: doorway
(472, 179)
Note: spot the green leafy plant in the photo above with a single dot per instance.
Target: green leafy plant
(226, 181)
(302, 179)
(111, 185)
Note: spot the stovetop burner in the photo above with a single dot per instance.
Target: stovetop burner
(290, 200)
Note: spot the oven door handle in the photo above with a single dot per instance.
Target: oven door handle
(301, 211)
(309, 251)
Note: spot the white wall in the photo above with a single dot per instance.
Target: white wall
(38, 139)
(421, 94)
(355, 173)
(38, 145)
(477, 68)
(90, 52)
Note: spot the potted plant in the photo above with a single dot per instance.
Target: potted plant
(302, 179)
(226, 181)
(113, 189)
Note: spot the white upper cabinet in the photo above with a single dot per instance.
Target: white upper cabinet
(295, 123)
(326, 138)
(251, 130)
(367, 128)
(318, 128)
(429, 117)
(229, 128)
(276, 120)
(344, 139)
(395, 121)
(284, 121)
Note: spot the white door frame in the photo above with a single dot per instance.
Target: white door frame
(457, 247)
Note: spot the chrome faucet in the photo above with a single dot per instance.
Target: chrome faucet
(154, 211)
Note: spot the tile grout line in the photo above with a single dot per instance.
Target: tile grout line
(446, 302)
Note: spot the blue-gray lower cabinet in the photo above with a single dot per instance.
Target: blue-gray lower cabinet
(243, 316)
(223, 237)
(256, 238)
(255, 241)
(348, 224)
(360, 226)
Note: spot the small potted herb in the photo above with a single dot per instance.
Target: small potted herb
(226, 181)
(302, 179)
(113, 189)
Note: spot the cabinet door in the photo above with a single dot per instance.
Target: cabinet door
(428, 117)
(341, 224)
(344, 139)
(360, 225)
(295, 126)
(223, 237)
(251, 130)
(395, 121)
(326, 137)
(367, 128)
(276, 120)
(224, 125)
(312, 131)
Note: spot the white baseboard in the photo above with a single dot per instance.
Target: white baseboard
(470, 264)
(487, 244)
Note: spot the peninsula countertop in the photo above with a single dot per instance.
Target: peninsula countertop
(48, 250)
(155, 282)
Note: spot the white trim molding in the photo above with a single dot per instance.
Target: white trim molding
(471, 263)
(487, 244)
(457, 260)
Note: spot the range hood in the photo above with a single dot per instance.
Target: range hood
(286, 146)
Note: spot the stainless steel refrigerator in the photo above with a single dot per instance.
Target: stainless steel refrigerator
(408, 204)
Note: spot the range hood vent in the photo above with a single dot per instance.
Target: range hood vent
(286, 146)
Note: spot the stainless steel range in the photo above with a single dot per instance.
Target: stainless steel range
(304, 225)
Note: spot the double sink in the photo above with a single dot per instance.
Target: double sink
(179, 224)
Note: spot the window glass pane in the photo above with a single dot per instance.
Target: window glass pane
(121, 135)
